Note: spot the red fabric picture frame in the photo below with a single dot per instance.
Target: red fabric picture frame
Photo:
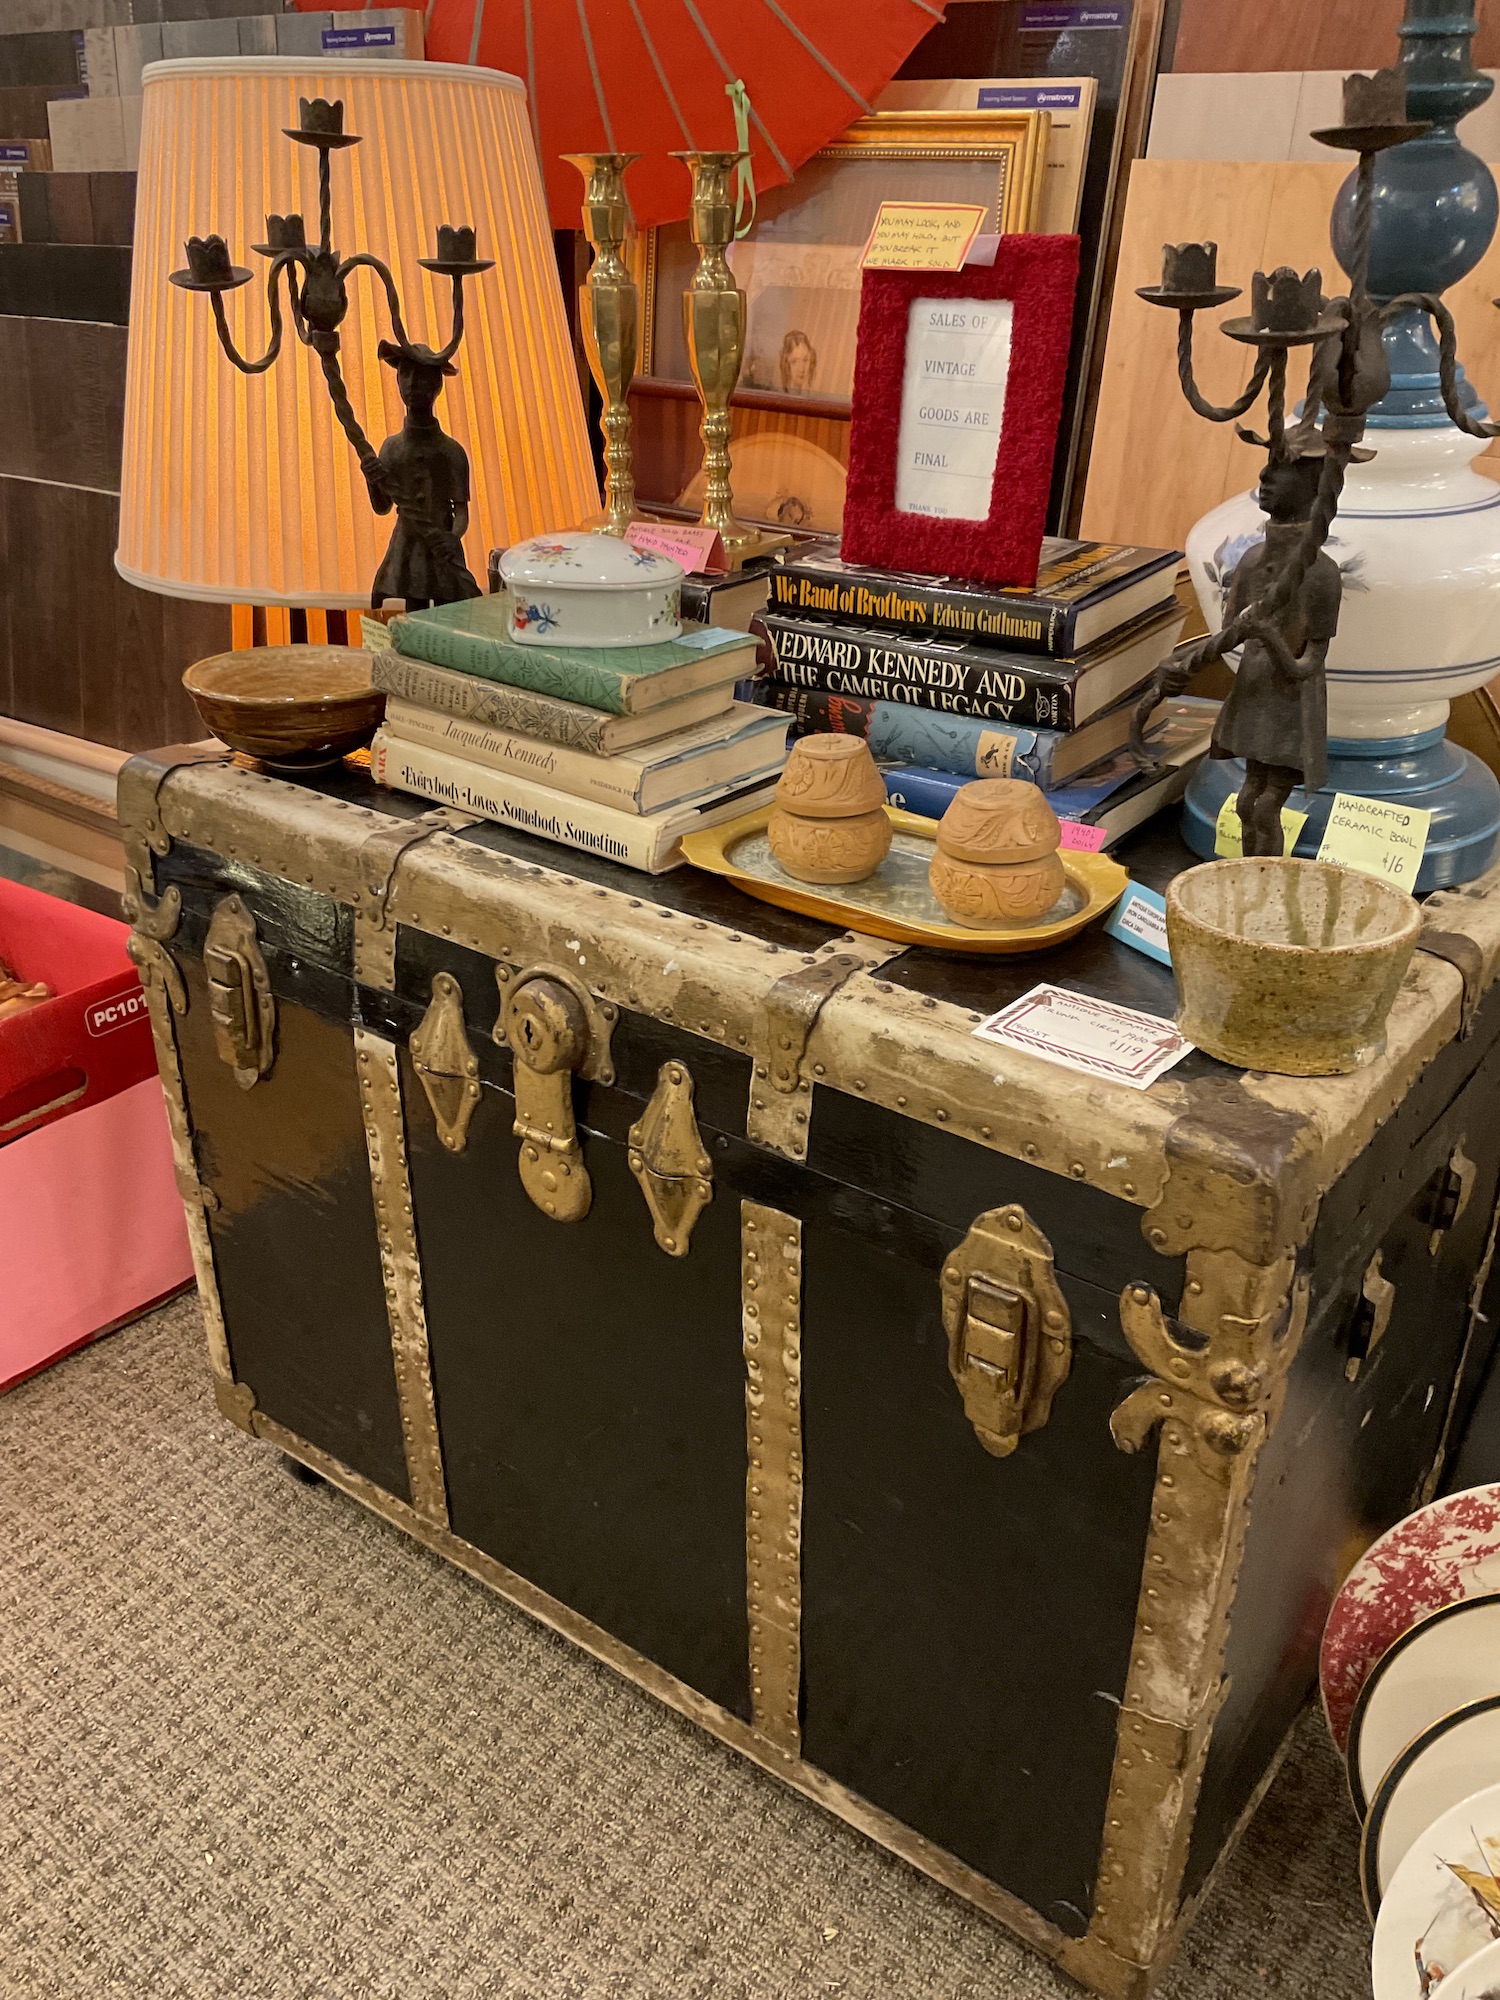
(1039, 274)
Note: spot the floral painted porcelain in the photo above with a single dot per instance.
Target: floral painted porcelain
(578, 589)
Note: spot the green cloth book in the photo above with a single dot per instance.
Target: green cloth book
(473, 636)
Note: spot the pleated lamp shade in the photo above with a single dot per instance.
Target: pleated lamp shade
(244, 489)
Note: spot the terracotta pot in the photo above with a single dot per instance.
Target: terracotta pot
(1288, 966)
(981, 896)
(999, 819)
(296, 708)
(829, 850)
(830, 777)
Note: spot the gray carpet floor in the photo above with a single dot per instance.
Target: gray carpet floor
(255, 1745)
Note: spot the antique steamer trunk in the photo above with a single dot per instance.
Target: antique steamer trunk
(972, 1444)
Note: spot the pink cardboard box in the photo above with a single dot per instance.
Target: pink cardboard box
(91, 1227)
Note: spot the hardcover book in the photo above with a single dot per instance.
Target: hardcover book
(651, 842)
(1084, 592)
(728, 749)
(470, 697)
(1015, 688)
(961, 744)
(473, 636)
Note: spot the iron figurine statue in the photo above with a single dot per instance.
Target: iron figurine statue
(421, 472)
(1284, 598)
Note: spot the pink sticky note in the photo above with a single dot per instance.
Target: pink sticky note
(1082, 839)
(696, 548)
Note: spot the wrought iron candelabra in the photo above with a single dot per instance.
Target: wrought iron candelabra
(1279, 611)
(421, 471)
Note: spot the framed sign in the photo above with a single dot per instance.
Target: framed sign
(958, 395)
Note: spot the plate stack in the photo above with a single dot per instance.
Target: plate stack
(575, 704)
(1410, 1674)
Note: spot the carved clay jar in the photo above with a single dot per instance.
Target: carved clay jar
(829, 823)
(996, 860)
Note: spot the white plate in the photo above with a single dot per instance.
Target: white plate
(1444, 1551)
(1445, 1765)
(1478, 1979)
(1450, 1659)
(1431, 1919)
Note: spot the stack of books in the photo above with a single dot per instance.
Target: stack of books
(950, 680)
(619, 750)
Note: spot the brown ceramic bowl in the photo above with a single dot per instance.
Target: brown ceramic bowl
(830, 777)
(999, 820)
(829, 850)
(296, 708)
(982, 896)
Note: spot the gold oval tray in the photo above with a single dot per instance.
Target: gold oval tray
(896, 902)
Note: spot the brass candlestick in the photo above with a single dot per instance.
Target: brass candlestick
(610, 321)
(713, 319)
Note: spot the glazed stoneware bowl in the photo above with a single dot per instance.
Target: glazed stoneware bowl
(580, 589)
(1288, 966)
(296, 708)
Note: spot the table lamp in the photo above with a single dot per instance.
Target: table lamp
(243, 487)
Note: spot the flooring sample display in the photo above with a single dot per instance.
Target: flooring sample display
(1270, 115)
(1291, 34)
(1156, 467)
(89, 281)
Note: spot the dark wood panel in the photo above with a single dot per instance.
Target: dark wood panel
(23, 109)
(65, 400)
(66, 281)
(77, 208)
(1219, 35)
(80, 649)
(52, 60)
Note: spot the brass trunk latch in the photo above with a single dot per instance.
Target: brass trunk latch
(553, 1026)
(445, 1064)
(1010, 1334)
(240, 1002)
(667, 1158)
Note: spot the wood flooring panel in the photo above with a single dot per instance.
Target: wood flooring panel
(65, 400)
(1303, 34)
(1156, 467)
(80, 649)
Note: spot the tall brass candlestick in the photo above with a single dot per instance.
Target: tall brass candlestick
(713, 319)
(610, 320)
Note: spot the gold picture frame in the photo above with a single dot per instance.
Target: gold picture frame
(799, 264)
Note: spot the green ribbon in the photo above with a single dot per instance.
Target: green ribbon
(744, 191)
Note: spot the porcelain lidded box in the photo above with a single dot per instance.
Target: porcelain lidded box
(578, 589)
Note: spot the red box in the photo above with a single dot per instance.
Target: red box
(91, 1226)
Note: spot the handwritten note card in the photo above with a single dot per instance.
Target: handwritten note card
(1229, 839)
(1139, 919)
(952, 406)
(697, 549)
(1376, 836)
(922, 235)
(1093, 1036)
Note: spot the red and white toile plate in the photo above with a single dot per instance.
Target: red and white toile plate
(1447, 1550)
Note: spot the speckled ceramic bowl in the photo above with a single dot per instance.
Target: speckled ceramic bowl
(1288, 966)
(296, 708)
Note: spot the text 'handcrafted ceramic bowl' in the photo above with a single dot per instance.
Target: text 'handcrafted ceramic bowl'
(296, 708)
(1288, 966)
(578, 589)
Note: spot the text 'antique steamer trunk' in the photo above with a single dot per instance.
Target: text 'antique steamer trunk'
(972, 1444)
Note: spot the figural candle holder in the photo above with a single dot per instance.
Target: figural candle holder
(1412, 531)
(421, 472)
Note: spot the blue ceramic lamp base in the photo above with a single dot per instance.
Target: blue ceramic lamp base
(1425, 771)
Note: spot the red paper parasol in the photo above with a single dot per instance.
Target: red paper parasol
(648, 77)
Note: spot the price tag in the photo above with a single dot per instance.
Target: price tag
(1080, 838)
(922, 235)
(1229, 836)
(699, 550)
(1139, 919)
(1376, 836)
(1092, 1036)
